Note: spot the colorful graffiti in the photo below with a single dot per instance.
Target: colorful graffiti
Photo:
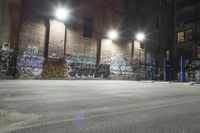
(124, 62)
(30, 65)
(84, 67)
(102, 71)
(121, 67)
(54, 70)
(6, 60)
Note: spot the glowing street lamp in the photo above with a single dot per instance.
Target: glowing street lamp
(140, 37)
(112, 35)
(61, 13)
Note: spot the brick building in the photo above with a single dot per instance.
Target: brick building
(9, 27)
(77, 48)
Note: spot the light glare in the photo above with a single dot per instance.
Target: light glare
(62, 14)
(113, 34)
(140, 36)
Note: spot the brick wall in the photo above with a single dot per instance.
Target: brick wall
(9, 25)
(32, 38)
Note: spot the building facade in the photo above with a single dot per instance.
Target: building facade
(154, 19)
(77, 48)
(10, 11)
(187, 36)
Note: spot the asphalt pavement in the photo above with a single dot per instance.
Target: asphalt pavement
(53, 106)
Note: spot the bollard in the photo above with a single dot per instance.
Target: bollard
(170, 72)
(199, 71)
(165, 73)
(182, 73)
(151, 70)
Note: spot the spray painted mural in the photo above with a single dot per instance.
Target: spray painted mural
(6, 60)
(119, 57)
(54, 70)
(80, 67)
(81, 58)
(30, 64)
(85, 68)
(31, 49)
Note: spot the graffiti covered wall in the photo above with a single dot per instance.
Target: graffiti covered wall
(9, 25)
(31, 49)
(7, 61)
(54, 70)
(81, 56)
(119, 57)
(55, 67)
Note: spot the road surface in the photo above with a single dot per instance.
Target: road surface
(98, 107)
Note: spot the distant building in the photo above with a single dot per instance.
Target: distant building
(154, 18)
(187, 35)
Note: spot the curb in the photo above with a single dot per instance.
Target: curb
(147, 81)
(196, 83)
(163, 82)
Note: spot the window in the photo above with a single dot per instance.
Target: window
(189, 35)
(168, 54)
(88, 27)
(198, 52)
(181, 37)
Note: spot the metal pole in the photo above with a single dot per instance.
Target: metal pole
(182, 70)
(199, 71)
(151, 70)
(170, 72)
(165, 74)
(145, 60)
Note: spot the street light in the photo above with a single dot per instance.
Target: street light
(112, 34)
(140, 37)
(61, 13)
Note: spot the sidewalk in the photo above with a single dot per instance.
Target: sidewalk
(172, 82)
